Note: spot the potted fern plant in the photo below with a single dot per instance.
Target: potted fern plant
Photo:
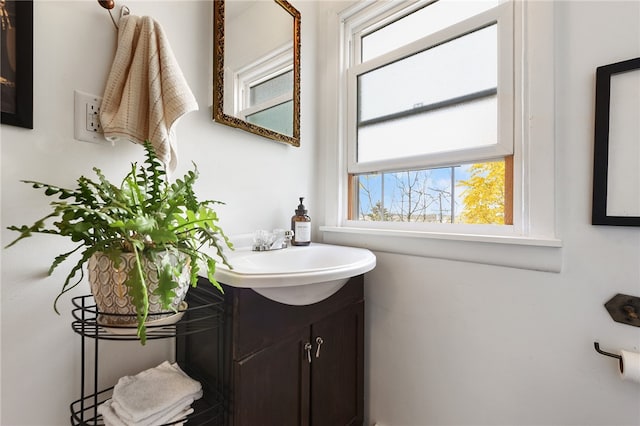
(141, 241)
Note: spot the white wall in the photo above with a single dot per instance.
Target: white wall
(260, 180)
(447, 343)
(452, 343)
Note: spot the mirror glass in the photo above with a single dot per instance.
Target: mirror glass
(257, 67)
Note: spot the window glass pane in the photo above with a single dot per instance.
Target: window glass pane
(459, 67)
(370, 196)
(277, 118)
(438, 100)
(471, 193)
(272, 88)
(424, 21)
(465, 125)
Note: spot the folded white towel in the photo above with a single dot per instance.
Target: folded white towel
(153, 391)
(108, 415)
(168, 415)
(146, 92)
(111, 418)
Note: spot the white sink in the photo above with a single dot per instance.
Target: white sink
(297, 275)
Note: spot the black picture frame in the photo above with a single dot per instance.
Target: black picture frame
(601, 144)
(17, 87)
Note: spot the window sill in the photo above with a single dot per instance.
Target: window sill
(538, 254)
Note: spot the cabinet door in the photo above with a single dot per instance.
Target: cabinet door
(271, 387)
(337, 370)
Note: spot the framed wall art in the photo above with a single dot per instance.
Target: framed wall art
(616, 156)
(16, 64)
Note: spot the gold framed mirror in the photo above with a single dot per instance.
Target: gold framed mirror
(256, 65)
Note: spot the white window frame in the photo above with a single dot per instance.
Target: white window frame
(533, 243)
(502, 16)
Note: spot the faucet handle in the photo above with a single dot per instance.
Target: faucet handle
(278, 239)
(261, 240)
(288, 236)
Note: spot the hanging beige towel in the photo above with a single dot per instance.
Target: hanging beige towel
(146, 92)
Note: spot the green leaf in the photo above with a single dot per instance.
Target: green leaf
(138, 291)
(137, 244)
(117, 224)
(211, 269)
(167, 284)
(142, 224)
(163, 236)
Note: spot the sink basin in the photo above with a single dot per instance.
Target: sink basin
(297, 275)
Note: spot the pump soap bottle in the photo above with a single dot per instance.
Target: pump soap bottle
(301, 226)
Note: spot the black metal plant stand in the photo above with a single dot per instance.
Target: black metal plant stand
(207, 316)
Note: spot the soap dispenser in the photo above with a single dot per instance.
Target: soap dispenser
(301, 226)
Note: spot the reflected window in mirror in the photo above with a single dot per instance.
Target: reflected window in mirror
(257, 68)
(264, 92)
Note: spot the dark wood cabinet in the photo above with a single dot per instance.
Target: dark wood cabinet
(336, 374)
(286, 365)
(272, 384)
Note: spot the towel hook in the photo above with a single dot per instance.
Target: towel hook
(110, 4)
(596, 345)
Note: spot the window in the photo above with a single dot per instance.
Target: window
(264, 91)
(436, 98)
(429, 85)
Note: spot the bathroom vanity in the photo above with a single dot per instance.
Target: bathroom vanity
(280, 364)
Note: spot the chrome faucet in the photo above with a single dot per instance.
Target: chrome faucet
(275, 240)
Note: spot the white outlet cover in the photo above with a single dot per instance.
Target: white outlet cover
(80, 131)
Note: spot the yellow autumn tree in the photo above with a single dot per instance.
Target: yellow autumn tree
(483, 196)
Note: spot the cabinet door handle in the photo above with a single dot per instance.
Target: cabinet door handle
(319, 341)
(307, 348)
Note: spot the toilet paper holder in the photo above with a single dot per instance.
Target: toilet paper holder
(596, 345)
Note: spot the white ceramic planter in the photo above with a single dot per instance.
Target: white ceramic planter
(111, 294)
